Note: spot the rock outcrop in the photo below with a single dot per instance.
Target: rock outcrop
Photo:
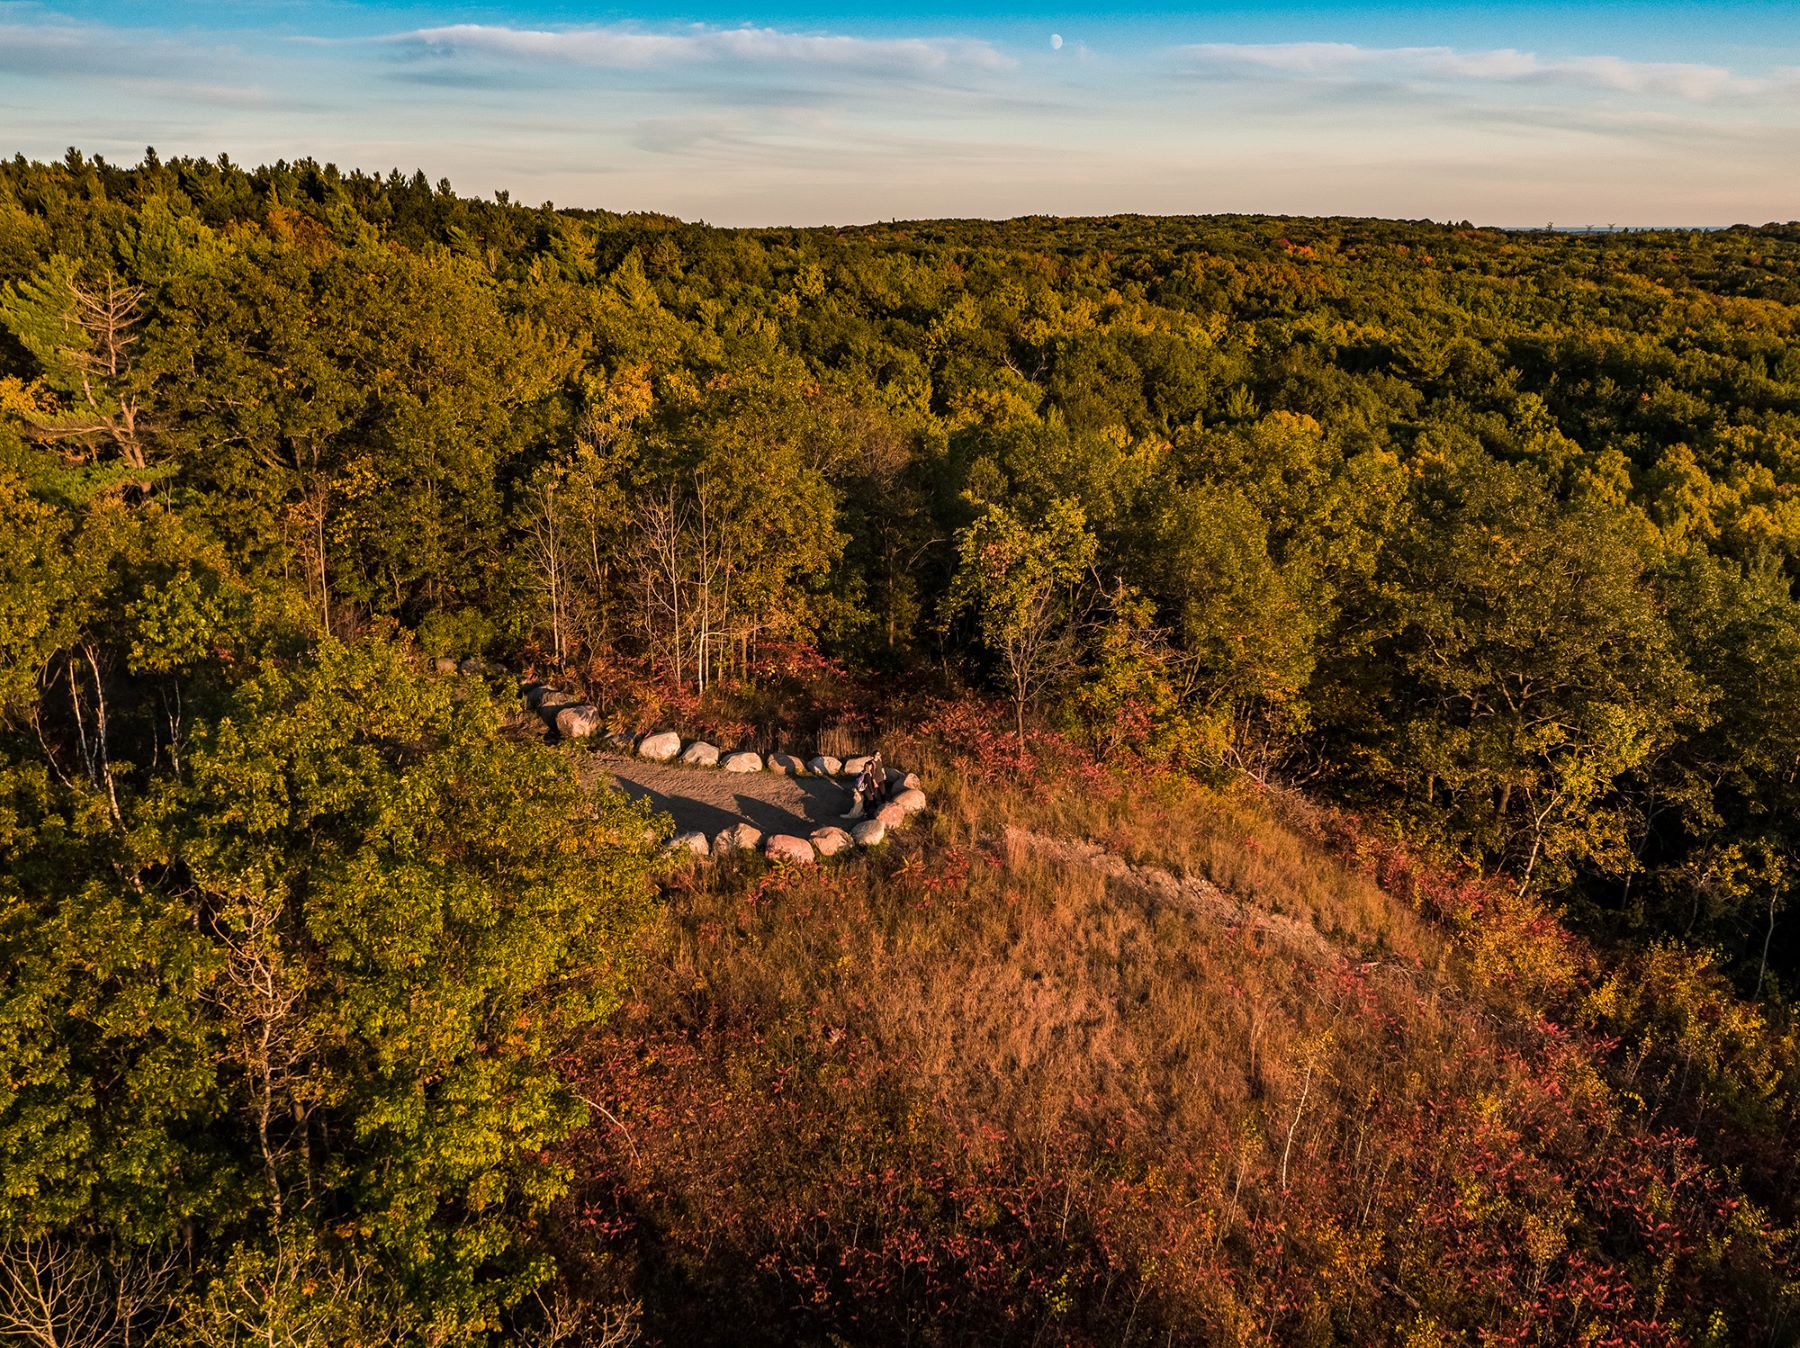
(830, 840)
(737, 838)
(788, 850)
(659, 748)
(577, 721)
(694, 843)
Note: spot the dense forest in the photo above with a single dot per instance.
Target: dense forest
(1441, 577)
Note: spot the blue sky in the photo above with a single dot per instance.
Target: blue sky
(1587, 112)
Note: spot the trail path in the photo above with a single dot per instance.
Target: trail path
(708, 800)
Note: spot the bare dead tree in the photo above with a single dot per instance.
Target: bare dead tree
(56, 1294)
(103, 320)
(546, 546)
(264, 1000)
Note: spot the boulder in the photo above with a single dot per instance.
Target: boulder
(824, 766)
(659, 748)
(737, 838)
(471, 665)
(902, 781)
(910, 801)
(700, 754)
(743, 761)
(891, 814)
(852, 766)
(829, 841)
(619, 741)
(694, 843)
(444, 665)
(788, 765)
(789, 850)
(533, 694)
(869, 833)
(577, 721)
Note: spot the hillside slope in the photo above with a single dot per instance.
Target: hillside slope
(1115, 1058)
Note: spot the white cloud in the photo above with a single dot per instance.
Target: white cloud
(1326, 62)
(621, 48)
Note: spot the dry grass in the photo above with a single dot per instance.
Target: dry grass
(1065, 1108)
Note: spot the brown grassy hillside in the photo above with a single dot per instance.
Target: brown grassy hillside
(1113, 1057)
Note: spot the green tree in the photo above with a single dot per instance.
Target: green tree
(1532, 671)
(412, 917)
(1017, 578)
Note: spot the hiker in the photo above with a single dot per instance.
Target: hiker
(870, 788)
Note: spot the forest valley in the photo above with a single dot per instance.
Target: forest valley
(1356, 664)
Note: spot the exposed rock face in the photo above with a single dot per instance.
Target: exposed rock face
(824, 766)
(737, 838)
(869, 833)
(694, 843)
(700, 754)
(659, 748)
(788, 765)
(789, 850)
(742, 762)
(577, 721)
(891, 815)
(908, 802)
(829, 841)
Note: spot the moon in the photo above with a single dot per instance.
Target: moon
(1056, 42)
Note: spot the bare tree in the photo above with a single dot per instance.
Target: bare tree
(270, 1043)
(55, 1294)
(91, 360)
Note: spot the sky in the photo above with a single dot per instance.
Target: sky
(1513, 112)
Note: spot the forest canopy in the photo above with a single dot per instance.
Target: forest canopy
(1491, 535)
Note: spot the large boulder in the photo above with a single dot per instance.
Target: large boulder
(908, 802)
(737, 838)
(891, 814)
(869, 833)
(700, 754)
(743, 761)
(902, 781)
(659, 748)
(788, 765)
(577, 721)
(852, 766)
(789, 850)
(829, 841)
(693, 843)
(824, 766)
